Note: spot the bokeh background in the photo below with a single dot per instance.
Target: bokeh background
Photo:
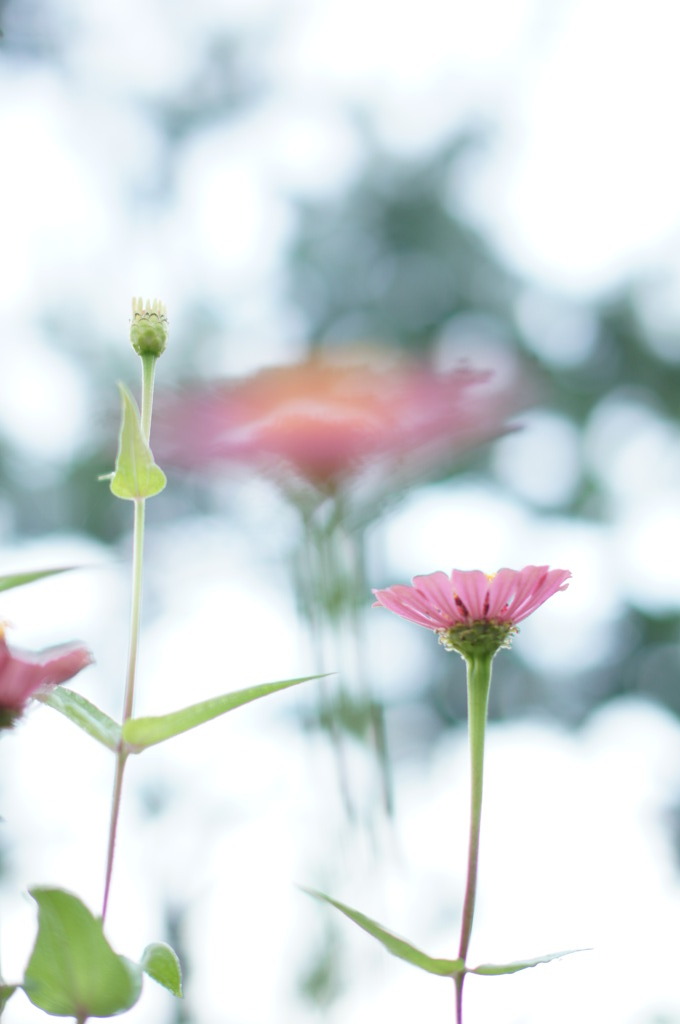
(493, 182)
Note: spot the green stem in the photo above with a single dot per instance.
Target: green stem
(148, 373)
(319, 581)
(148, 367)
(478, 683)
(351, 553)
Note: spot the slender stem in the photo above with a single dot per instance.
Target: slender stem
(113, 829)
(321, 579)
(135, 614)
(148, 372)
(128, 704)
(355, 545)
(478, 682)
(136, 607)
(148, 366)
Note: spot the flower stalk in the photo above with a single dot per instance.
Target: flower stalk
(331, 586)
(148, 377)
(478, 685)
(148, 335)
(476, 615)
(130, 677)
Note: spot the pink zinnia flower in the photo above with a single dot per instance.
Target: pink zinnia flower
(23, 674)
(470, 610)
(327, 418)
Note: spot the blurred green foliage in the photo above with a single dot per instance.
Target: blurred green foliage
(395, 259)
(392, 258)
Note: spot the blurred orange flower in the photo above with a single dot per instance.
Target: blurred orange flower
(327, 420)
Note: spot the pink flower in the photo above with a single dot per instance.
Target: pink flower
(327, 418)
(491, 605)
(24, 674)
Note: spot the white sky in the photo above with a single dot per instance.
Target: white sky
(578, 190)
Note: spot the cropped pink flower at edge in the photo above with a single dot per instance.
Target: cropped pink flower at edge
(443, 603)
(23, 674)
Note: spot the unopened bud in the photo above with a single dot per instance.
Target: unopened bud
(149, 327)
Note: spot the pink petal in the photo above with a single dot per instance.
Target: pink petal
(23, 673)
(406, 601)
(536, 588)
(501, 590)
(441, 602)
(436, 589)
(472, 588)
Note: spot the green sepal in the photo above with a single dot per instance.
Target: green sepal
(73, 972)
(84, 714)
(136, 474)
(162, 964)
(140, 733)
(393, 944)
(6, 993)
(521, 965)
(481, 639)
(18, 579)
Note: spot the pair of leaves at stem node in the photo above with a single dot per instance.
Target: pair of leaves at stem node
(139, 733)
(443, 968)
(74, 972)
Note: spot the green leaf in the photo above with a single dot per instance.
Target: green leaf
(73, 972)
(162, 964)
(18, 579)
(136, 474)
(520, 965)
(140, 733)
(392, 943)
(6, 993)
(86, 715)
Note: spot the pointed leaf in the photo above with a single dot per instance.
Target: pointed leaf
(18, 579)
(73, 972)
(136, 474)
(140, 733)
(520, 965)
(162, 964)
(85, 715)
(6, 993)
(396, 946)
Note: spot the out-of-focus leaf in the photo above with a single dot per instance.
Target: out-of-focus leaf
(392, 943)
(73, 972)
(85, 715)
(136, 474)
(162, 964)
(520, 965)
(6, 993)
(19, 579)
(139, 733)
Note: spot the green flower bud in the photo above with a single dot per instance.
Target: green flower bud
(149, 327)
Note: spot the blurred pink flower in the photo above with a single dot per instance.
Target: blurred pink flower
(328, 419)
(23, 674)
(465, 598)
